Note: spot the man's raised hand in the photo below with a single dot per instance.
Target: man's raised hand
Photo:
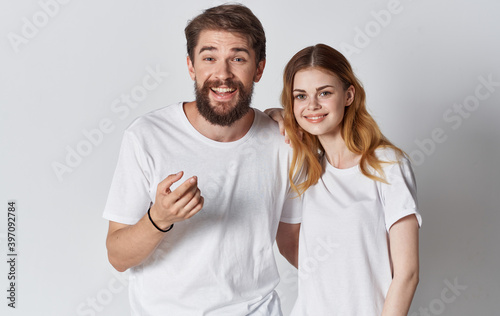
(175, 206)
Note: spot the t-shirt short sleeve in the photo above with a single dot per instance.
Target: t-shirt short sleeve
(292, 209)
(399, 196)
(129, 198)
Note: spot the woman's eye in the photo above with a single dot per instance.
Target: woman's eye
(325, 93)
(300, 97)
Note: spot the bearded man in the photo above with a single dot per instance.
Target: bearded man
(218, 257)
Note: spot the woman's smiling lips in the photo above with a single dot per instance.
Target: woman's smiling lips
(315, 118)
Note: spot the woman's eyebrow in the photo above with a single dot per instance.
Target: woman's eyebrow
(324, 87)
(317, 89)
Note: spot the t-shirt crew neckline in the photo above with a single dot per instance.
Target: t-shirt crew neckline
(203, 138)
(330, 168)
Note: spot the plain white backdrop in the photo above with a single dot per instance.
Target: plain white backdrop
(74, 74)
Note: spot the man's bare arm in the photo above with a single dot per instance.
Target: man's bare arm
(130, 245)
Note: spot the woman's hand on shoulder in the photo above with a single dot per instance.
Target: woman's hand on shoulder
(278, 115)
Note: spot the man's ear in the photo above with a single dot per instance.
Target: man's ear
(190, 68)
(351, 91)
(260, 70)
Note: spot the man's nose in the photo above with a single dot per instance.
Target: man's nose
(223, 70)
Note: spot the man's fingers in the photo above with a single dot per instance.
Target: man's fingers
(172, 204)
(190, 200)
(188, 185)
(197, 207)
(165, 185)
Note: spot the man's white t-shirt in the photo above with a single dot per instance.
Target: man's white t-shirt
(220, 261)
(344, 262)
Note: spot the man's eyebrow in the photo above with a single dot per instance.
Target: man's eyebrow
(204, 48)
(240, 49)
(235, 49)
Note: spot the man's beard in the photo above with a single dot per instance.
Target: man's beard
(226, 117)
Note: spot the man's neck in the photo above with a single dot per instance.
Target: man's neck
(216, 132)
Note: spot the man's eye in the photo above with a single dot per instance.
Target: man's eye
(208, 59)
(238, 59)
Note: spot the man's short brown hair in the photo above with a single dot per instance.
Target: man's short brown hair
(235, 18)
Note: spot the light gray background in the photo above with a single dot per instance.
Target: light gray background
(419, 66)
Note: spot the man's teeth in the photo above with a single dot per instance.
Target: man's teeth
(223, 90)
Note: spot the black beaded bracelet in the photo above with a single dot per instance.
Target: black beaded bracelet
(164, 231)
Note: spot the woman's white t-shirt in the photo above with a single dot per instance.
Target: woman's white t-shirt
(344, 261)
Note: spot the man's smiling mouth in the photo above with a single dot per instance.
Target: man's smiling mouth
(223, 90)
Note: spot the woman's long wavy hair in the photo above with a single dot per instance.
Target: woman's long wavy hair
(359, 130)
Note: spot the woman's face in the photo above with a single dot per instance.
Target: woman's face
(319, 101)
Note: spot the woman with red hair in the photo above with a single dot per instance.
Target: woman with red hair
(358, 239)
